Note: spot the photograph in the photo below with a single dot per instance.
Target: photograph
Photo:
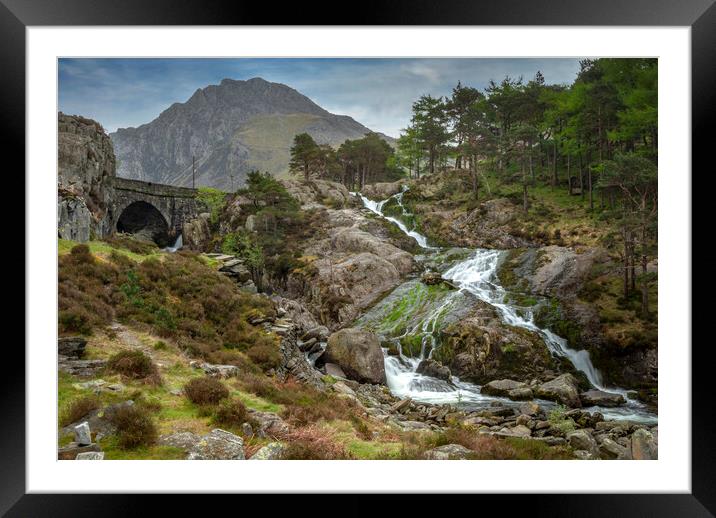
(357, 258)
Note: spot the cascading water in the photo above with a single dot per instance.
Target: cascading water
(477, 276)
(178, 243)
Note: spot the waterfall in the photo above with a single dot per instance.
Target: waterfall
(477, 276)
(178, 243)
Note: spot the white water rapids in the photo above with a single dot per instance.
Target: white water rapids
(477, 275)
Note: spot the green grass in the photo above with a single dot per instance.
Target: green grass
(112, 451)
(103, 249)
(257, 403)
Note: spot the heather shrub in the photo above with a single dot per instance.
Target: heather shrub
(205, 391)
(230, 413)
(134, 365)
(135, 426)
(79, 408)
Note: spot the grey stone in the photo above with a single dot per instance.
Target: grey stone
(333, 369)
(359, 354)
(643, 445)
(83, 435)
(601, 398)
(562, 389)
(71, 346)
(271, 451)
(433, 369)
(218, 445)
(448, 452)
(90, 455)
(582, 440)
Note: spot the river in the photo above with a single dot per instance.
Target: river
(476, 275)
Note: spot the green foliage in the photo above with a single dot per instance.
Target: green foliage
(558, 421)
(214, 199)
(230, 413)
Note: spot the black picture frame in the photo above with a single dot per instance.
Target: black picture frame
(700, 15)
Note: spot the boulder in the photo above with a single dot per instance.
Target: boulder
(184, 440)
(480, 347)
(382, 190)
(333, 369)
(448, 452)
(562, 389)
(83, 436)
(643, 445)
(583, 455)
(81, 368)
(530, 408)
(269, 424)
(196, 233)
(271, 451)
(434, 278)
(433, 369)
(508, 388)
(582, 440)
(600, 398)
(319, 333)
(216, 371)
(218, 445)
(611, 450)
(358, 353)
(355, 240)
(71, 346)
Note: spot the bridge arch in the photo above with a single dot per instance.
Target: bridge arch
(144, 219)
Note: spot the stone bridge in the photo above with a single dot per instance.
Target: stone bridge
(155, 210)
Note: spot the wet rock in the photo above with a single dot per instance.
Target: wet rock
(433, 369)
(218, 445)
(507, 388)
(600, 398)
(358, 353)
(562, 389)
(448, 452)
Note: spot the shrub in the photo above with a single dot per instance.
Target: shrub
(205, 391)
(265, 355)
(313, 443)
(134, 424)
(79, 408)
(231, 413)
(134, 365)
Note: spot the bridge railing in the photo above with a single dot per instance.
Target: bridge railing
(154, 189)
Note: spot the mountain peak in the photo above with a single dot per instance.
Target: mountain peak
(228, 128)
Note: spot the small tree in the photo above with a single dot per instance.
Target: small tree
(305, 153)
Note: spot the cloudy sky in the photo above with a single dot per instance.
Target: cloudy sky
(378, 93)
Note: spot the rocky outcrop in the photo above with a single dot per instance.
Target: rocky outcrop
(86, 166)
(197, 232)
(353, 239)
(382, 190)
(358, 353)
(481, 347)
(218, 445)
(318, 192)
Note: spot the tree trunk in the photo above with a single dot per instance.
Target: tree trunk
(555, 180)
(591, 195)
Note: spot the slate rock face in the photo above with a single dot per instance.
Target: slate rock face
(86, 166)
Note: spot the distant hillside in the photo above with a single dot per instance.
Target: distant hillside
(230, 128)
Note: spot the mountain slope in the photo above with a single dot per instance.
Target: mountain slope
(230, 129)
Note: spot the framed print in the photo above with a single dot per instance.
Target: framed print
(430, 249)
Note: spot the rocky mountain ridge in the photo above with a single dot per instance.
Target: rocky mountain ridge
(229, 129)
